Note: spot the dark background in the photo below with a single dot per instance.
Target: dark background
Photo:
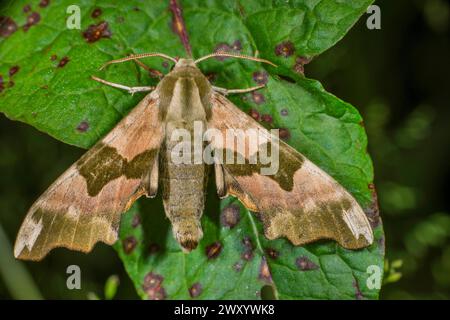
(397, 77)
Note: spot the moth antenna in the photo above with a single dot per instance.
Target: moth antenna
(234, 55)
(138, 56)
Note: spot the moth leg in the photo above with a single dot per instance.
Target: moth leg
(131, 90)
(228, 91)
(154, 178)
(220, 181)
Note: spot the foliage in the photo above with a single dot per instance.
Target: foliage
(46, 72)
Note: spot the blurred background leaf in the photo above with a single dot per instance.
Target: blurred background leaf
(399, 81)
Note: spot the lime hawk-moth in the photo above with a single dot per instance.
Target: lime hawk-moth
(84, 205)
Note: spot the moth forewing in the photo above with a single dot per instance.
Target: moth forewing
(84, 205)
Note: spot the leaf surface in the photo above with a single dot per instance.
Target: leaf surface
(45, 81)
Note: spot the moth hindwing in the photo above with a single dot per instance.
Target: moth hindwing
(298, 201)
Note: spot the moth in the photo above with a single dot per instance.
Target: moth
(84, 205)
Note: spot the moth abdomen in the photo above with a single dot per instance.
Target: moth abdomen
(184, 200)
(187, 231)
(184, 197)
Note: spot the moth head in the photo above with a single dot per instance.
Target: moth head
(182, 62)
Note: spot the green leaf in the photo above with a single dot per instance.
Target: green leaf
(236, 262)
(111, 285)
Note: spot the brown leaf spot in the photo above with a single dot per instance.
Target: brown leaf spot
(222, 47)
(299, 66)
(247, 255)
(136, 220)
(258, 97)
(11, 83)
(96, 13)
(305, 264)
(152, 280)
(83, 126)
(129, 244)
(284, 112)
(285, 49)
(260, 77)
(7, 26)
(247, 242)
(303, 60)
(32, 19)
(63, 62)
(26, 8)
(254, 114)
(213, 250)
(248, 248)
(158, 293)
(272, 253)
(13, 70)
(284, 133)
(238, 266)
(236, 46)
(97, 31)
(165, 64)
(267, 118)
(230, 216)
(382, 244)
(53, 57)
(153, 286)
(264, 271)
(195, 290)
(44, 3)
